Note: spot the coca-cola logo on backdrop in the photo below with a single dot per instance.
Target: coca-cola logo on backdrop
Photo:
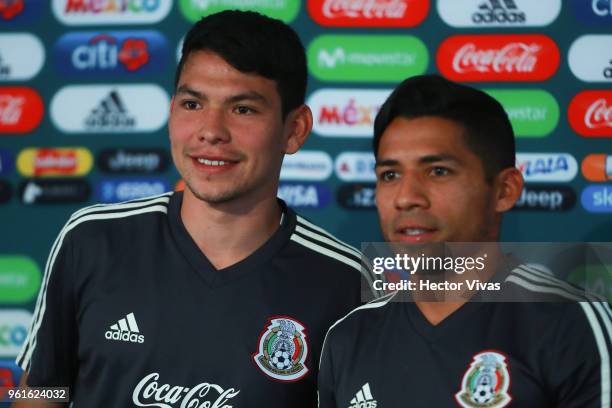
(590, 113)
(531, 57)
(368, 13)
(21, 109)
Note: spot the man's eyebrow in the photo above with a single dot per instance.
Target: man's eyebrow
(245, 96)
(386, 163)
(433, 158)
(183, 89)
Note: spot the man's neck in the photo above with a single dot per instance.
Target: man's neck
(436, 311)
(229, 232)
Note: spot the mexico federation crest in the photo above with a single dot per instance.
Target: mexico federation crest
(282, 349)
(485, 383)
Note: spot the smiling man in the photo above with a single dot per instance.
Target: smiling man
(445, 173)
(218, 296)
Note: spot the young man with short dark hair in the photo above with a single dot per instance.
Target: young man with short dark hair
(217, 296)
(445, 173)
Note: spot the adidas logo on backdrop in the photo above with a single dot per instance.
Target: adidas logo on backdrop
(110, 114)
(498, 11)
(125, 329)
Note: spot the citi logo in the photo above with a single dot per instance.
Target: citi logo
(99, 12)
(499, 11)
(126, 329)
(115, 52)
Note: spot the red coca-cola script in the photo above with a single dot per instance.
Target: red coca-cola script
(468, 58)
(21, 109)
(590, 113)
(368, 13)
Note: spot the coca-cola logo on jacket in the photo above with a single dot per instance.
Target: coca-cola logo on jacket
(530, 57)
(368, 13)
(590, 113)
(21, 109)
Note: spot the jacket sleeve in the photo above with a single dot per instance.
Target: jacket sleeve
(581, 375)
(49, 354)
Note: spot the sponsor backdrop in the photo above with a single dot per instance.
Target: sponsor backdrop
(85, 87)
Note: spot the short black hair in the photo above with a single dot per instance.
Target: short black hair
(253, 43)
(488, 131)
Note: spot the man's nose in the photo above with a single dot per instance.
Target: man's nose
(213, 127)
(411, 192)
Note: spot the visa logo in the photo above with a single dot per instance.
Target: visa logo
(305, 195)
(542, 167)
(117, 52)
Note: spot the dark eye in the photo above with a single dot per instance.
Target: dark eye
(191, 105)
(244, 110)
(440, 171)
(388, 175)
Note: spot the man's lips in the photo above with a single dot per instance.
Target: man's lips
(414, 233)
(213, 163)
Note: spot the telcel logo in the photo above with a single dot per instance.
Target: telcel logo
(546, 198)
(111, 53)
(101, 12)
(590, 58)
(284, 10)
(532, 112)
(371, 58)
(355, 166)
(13, 331)
(525, 57)
(118, 190)
(498, 13)
(359, 13)
(110, 108)
(547, 167)
(597, 199)
(307, 196)
(16, 65)
(590, 113)
(307, 165)
(54, 162)
(346, 112)
(597, 167)
(21, 109)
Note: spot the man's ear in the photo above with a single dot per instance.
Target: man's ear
(509, 185)
(298, 125)
(172, 104)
